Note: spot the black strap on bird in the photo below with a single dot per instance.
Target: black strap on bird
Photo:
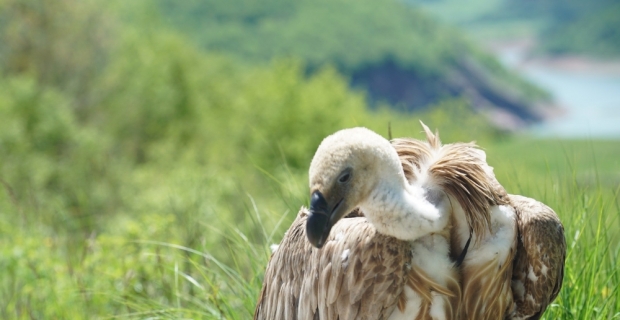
(459, 261)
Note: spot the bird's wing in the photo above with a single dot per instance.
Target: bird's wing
(358, 274)
(538, 267)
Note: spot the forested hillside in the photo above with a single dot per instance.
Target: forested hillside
(395, 53)
(585, 27)
(560, 26)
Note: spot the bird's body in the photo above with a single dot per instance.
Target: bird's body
(358, 274)
(335, 280)
(437, 238)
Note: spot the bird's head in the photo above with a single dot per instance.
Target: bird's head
(345, 169)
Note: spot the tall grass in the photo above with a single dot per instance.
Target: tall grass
(580, 180)
(591, 282)
(592, 274)
(193, 262)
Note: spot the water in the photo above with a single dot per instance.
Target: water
(589, 96)
(592, 104)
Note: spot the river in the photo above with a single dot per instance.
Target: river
(588, 91)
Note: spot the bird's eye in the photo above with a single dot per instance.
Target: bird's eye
(344, 178)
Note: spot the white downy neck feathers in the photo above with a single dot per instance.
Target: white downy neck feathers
(378, 185)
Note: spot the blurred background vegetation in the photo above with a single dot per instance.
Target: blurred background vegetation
(151, 151)
(561, 27)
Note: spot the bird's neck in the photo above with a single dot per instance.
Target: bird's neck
(401, 210)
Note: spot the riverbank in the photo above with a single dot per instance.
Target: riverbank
(586, 89)
(520, 55)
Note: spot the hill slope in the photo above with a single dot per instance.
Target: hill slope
(397, 54)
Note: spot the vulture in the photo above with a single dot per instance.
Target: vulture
(410, 229)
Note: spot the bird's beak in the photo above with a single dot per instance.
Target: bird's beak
(322, 217)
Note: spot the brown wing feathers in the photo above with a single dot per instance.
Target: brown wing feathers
(539, 263)
(302, 282)
(460, 170)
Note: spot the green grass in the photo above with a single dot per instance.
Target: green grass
(195, 263)
(580, 180)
